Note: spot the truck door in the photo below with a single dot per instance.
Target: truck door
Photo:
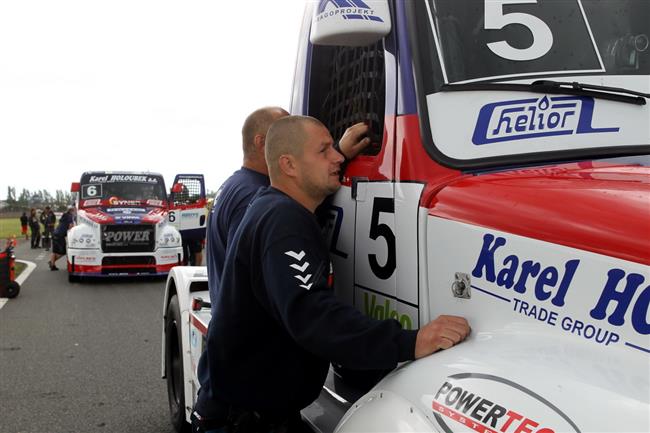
(346, 85)
(188, 205)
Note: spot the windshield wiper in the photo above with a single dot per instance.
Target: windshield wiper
(558, 87)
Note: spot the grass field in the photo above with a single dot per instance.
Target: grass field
(8, 228)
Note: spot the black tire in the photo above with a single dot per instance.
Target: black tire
(13, 288)
(72, 278)
(174, 367)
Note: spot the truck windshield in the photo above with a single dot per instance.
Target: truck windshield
(509, 38)
(465, 47)
(122, 190)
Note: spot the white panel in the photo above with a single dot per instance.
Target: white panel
(376, 250)
(407, 199)
(381, 308)
(350, 23)
(339, 229)
(497, 123)
(561, 297)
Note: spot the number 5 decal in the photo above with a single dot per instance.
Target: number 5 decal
(377, 230)
(495, 19)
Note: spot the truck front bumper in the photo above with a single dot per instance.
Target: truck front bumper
(95, 263)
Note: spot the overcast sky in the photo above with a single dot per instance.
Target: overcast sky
(136, 85)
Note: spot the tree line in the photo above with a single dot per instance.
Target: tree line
(38, 199)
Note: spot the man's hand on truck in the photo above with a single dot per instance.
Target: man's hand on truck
(441, 333)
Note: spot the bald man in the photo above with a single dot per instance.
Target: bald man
(236, 192)
(277, 323)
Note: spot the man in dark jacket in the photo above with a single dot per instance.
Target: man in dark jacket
(236, 193)
(60, 234)
(35, 227)
(48, 219)
(277, 322)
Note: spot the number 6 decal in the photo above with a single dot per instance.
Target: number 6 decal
(495, 19)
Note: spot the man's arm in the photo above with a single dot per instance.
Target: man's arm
(300, 298)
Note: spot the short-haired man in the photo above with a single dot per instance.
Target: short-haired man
(277, 323)
(235, 194)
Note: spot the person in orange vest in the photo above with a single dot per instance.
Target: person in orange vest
(24, 221)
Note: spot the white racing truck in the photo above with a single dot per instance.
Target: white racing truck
(125, 223)
(508, 182)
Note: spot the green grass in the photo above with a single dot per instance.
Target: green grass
(8, 228)
(19, 267)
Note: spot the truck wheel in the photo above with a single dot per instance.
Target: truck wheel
(174, 366)
(72, 278)
(13, 288)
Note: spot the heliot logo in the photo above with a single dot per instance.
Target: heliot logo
(531, 118)
(347, 9)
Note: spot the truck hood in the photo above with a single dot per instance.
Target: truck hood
(486, 381)
(125, 215)
(598, 207)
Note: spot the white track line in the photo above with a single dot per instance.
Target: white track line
(25, 273)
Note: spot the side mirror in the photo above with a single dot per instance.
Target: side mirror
(75, 187)
(350, 24)
(177, 188)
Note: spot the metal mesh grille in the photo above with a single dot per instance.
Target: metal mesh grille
(190, 194)
(356, 92)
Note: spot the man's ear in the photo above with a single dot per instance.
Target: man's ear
(258, 141)
(288, 165)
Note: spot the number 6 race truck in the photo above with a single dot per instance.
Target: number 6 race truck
(508, 182)
(123, 225)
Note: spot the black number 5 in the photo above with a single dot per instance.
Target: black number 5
(386, 205)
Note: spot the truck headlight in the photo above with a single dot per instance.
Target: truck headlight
(84, 242)
(169, 241)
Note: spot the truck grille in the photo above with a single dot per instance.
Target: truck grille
(132, 265)
(128, 260)
(135, 238)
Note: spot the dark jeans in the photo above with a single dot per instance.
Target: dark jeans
(36, 238)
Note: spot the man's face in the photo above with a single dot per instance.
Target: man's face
(320, 164)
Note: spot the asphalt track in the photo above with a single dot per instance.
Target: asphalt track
(81, 357)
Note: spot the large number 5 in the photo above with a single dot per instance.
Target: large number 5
(385, 205)
(495, 19)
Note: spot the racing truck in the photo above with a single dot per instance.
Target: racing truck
(508, 182)
(125, 223)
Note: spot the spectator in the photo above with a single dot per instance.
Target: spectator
(48, 219)
(35, 227)
(24, 222)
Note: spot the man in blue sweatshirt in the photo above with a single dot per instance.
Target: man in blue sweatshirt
(277, 324)
(235, 194)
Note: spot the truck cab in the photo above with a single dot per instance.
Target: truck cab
(123, 226)
(508, 182)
